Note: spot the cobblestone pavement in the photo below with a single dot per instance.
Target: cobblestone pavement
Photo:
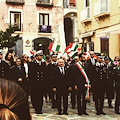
(51, 114)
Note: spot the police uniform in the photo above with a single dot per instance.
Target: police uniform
(4, 70)
(109, 85)
(99, 87)
(36, 75)
(116, 70)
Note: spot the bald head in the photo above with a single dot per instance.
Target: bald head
(92, 54)
(60, 62)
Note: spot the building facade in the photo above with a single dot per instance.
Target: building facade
(40, 22)
(99, 25)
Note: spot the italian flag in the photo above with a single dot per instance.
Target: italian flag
(54, 47)
(67, 50)
(87, 55)
(73, 46)
(72, 54)
(79, 65)
(72, 49)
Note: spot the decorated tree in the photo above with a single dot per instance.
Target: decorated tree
(6, 38)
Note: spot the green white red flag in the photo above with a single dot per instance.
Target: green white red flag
(54, 47)
(87, 55)
(72, 49)
(79, 65)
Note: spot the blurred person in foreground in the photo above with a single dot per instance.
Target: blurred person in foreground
(13, 102)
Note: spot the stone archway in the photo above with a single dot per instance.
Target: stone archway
(42, 43)
(70, 27)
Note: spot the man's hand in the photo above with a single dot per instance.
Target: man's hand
(76, 88)
(54, 89)
(69, 88)
(26, 76)
(20, 79)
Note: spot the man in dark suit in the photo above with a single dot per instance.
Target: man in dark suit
(36, 74)
(79, 83)
(18, 73)
(61, 86)
(4, 68)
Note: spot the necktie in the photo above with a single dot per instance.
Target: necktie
(62, 70)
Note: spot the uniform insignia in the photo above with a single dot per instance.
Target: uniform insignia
(114, 67)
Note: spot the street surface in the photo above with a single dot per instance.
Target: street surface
(51, 114)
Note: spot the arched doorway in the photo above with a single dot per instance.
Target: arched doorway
(42, 43)
(68, 28)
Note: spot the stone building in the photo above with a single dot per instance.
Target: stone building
(40, 22)
(99, 25)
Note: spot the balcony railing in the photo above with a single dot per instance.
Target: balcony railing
(85, 14)
(44, 29)
(102, 6)
(69, 4)
(15, 2)
(44, 3)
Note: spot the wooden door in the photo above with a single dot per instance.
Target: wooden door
(105, 46)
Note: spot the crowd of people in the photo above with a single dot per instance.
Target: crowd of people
(56, 78)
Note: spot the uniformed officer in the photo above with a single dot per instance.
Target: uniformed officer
(50, 68)
(99, 85)
(110, 81)
(91, 69)
(70, 72)
(36, 75)
(4, 68)
(116, 70)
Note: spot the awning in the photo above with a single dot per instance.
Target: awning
(109, 31)
(87, 34)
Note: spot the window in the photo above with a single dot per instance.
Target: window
(15, 19)
(105, 45)
(91, 46)
(84, 47)
(44, 19)
(44, 1)
(87, 3)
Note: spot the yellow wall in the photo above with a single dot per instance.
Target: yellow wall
(114, 44)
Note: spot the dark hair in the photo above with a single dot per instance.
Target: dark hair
(13, 101)
(11, 51)
(80, 55)
(47, 56)
(18, 58)
(115, 58)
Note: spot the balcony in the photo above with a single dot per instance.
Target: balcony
(85, 15)
(15, 2)
(69, 4)
(44, 29)
(101, 8)
(44, 3)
